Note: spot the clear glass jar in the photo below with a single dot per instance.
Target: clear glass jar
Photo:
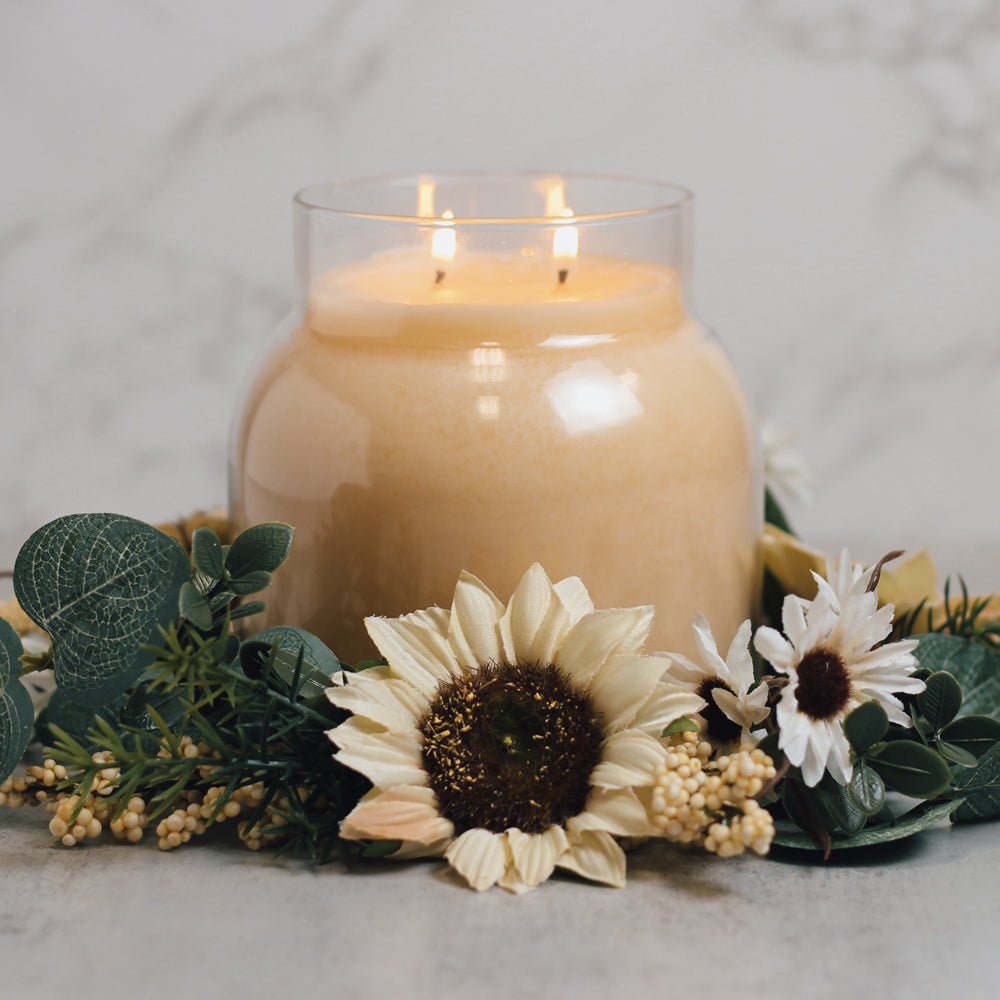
(515, 384)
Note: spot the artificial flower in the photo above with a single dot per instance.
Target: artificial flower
(510, 739)
(797, 566)
(734, 705)
(831, 654)
(785, 471)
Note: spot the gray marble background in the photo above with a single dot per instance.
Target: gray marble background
(845, 156)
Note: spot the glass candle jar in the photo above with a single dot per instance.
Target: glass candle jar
(486, 371)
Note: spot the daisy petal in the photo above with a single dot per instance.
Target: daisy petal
(535, 854)
(479, 857)
(629, 759)
(536, 622)
(600, 635)
(405, 813)
(473, 629)
(596, 856)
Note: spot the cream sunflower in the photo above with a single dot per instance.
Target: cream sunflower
(832, 655)
(735, 705)
(510, 739)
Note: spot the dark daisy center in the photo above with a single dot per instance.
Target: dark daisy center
(511, 745)
(720, 728)
(824, 685)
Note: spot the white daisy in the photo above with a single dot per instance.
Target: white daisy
(734, 704)
(785, 471)
(511, 739)
(831, 653)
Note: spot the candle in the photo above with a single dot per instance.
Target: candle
(444, 407)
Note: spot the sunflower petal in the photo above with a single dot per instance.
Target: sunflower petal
(629, 759)
(385, 758)
(536, 622)
(479, 856)
(600, 635)
(535, 854)
(596, 856)
(405, 813)
(415, 654)
(575, 598)
(374, 694)
(615, 810)
(666, 704)
(622, 686)
(473, 629)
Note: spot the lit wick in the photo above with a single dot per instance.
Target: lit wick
(443, 245)
(565, 243)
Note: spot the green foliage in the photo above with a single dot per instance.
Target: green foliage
(920, 818)
(941, 700)
(865, 726)
(101, 585)
(681, 725)
(975, 666)
(16, 712)
(911, 768)
(962, 618)
(774, 513)
(981, 787)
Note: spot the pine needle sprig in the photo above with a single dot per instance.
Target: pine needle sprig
(962, 617)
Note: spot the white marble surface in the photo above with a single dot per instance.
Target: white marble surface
(919, 921)
(845, 157)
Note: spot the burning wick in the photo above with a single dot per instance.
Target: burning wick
(443, 245)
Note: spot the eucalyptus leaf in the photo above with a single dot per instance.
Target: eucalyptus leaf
(867, 790)
(17, 715)
(206, 553)
(250, 583)
(264, 547)
(194, 607)
(920, 818)
(912, 768)
(866, 725)
(976, 668)
(954, 754)
(941, 700)
(75, 719)
(981, 787)
(101, 585)
(973, 733)
(318, 663)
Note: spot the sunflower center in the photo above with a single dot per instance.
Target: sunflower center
(511, 745)
(720, 728)
(824, 685)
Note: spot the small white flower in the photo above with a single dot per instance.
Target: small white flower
(831, 654)
(735, 705)
(785, 471)
(510, 739)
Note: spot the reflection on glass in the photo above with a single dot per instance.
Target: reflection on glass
(588, 396)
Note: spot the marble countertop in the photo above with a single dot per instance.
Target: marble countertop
(920, 917)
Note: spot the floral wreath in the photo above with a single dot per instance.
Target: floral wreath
(511, 739)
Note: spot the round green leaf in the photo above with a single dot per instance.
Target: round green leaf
(194, 607)
(941, 700)
(973, 733)
(101, 585)
(16, 712)
(866, 725)
(975, 666)
(867, 790)
(912, 768)
(250, 583)
(286, 642)
(981, 787)
(206, 553)
(264, 547)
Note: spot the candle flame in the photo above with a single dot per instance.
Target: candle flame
(443, 241)
(425, 199)
(555, 199)
(565, 240)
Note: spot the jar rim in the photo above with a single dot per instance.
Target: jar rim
(662, 197)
